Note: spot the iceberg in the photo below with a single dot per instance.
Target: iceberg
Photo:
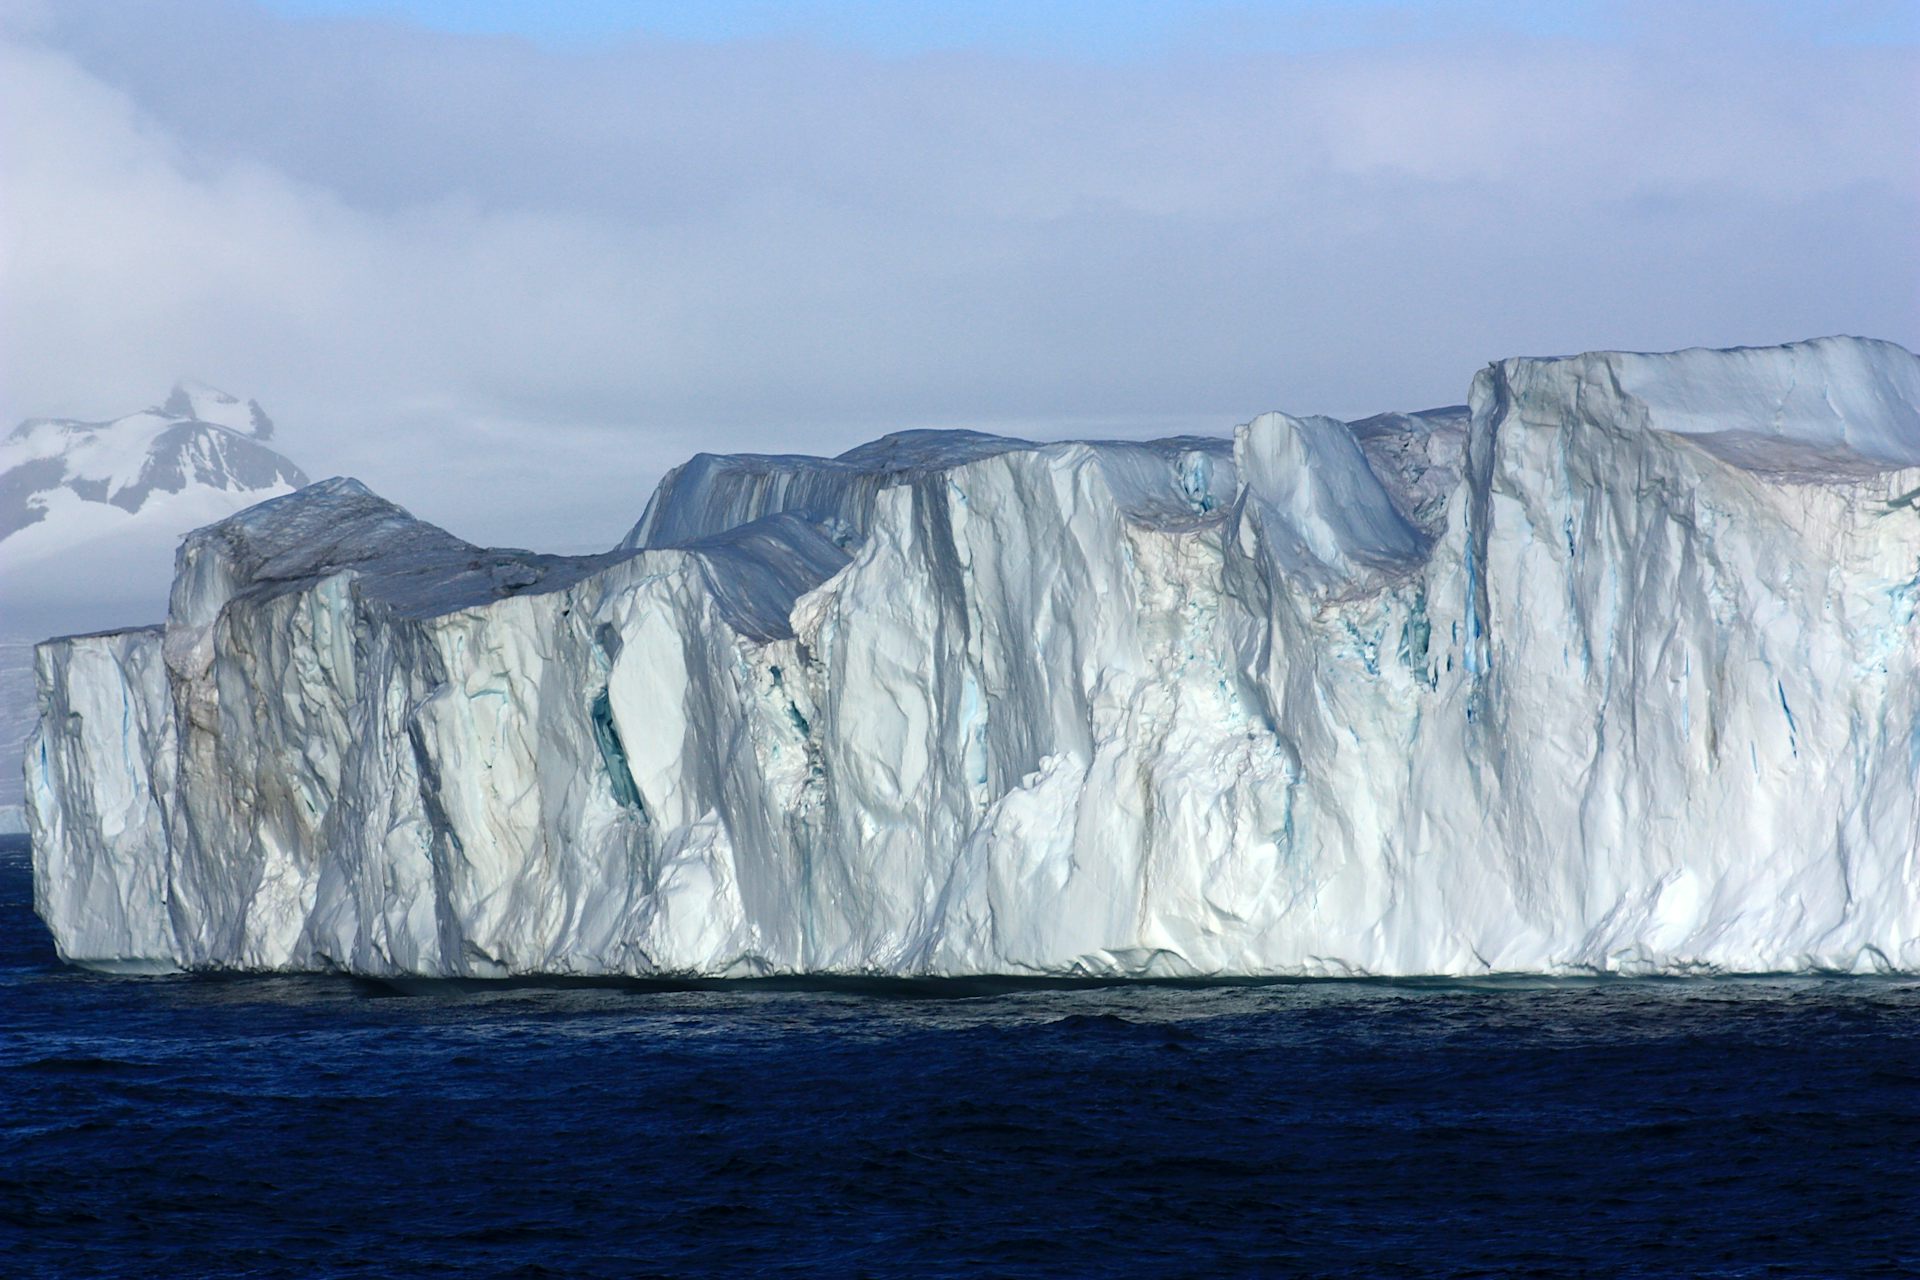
(1612, 670)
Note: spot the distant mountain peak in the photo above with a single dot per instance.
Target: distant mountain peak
(199, 441)
(198, 402)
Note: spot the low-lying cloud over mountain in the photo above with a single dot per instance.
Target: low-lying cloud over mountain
(509, 284)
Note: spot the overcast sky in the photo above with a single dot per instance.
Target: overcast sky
(509, 262)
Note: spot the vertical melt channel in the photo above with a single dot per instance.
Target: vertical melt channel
(613, 754)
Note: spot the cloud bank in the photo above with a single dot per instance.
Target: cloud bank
(508, 285)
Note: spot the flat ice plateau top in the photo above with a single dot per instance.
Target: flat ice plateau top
(1616, 671)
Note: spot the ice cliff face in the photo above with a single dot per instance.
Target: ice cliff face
(1617, 673)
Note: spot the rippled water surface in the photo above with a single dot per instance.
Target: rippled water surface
(312, 1126)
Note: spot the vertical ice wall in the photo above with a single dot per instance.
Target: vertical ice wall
(1615, 671)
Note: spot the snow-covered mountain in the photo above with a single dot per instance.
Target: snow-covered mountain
(1619, 671)
(198, 456)
(90, 515)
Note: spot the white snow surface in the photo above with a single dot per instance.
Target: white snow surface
(1615, 674)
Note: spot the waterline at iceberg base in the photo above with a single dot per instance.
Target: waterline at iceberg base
(1613, 671)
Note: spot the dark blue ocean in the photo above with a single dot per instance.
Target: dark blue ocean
(330, 1127)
